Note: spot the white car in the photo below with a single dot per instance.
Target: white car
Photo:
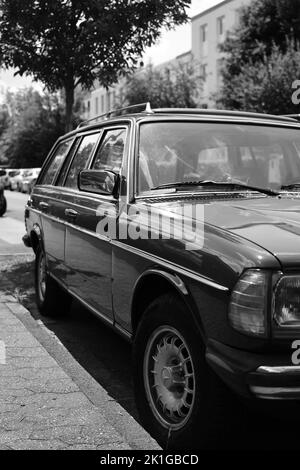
(14, 177)
(29, 178)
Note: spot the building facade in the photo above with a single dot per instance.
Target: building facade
(208, 31)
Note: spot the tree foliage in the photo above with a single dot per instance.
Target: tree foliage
(261, 58)
(71, 43)
(173, 86)
(36, 121)
(264, 85)
(263, 24)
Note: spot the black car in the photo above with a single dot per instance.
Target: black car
(3, 202)
(179, 228)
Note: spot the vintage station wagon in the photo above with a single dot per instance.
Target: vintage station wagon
(180, 228)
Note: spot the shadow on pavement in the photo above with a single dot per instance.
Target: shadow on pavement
(107, 358)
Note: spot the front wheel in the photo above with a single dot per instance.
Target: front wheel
(175, 390)
(52, 300)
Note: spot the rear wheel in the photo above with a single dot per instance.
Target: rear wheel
(176, 392)
(52, 300)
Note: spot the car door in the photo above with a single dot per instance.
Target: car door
(88, 250)
(46, 201)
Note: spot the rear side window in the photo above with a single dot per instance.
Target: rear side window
(66, 163)
(55, 162)
(81, 159)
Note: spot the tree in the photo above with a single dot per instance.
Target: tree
(261, 58)
(263, 23)
(173, 86)
(4, 122)
(264, 85)
(71, 43)
(36, 121)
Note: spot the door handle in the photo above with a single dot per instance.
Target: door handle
(44, 206)
(71, 213)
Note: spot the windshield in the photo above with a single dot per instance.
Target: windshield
(256, 155)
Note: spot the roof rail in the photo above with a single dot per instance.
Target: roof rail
(145, 108)
(222, 113)
(293, 116)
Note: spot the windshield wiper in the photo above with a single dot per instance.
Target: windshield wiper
(291, 186)
(233, 185)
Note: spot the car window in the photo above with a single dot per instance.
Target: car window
(66, 163)
(170, 152)
(109, 156)
(55, 162)
(81, 159)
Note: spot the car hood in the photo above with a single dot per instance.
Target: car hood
(269, 222)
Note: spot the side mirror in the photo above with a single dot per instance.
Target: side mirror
(99, 182)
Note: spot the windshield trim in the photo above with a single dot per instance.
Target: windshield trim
(226, 120)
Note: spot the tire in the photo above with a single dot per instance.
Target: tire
(3, 205)
(167, 336)
(52, 300)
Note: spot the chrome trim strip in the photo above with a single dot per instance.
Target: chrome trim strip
(170, 265)
(276, 393)
(128, 336)
(75, 227)
(278, 370)
(167, 264)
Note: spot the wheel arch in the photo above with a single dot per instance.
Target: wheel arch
(155, 282)
(36, 237)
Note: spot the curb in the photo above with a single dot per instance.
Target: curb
(130, 432)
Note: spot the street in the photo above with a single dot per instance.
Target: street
(90, 353)
(12, 226)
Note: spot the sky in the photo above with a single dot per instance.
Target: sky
(176, 41)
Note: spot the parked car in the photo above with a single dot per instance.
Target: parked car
(181, 230)
(16, 178)
(29, 178)
(5, 178)
(3, 202)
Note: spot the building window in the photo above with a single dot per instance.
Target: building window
(102, 104)
(97, 106)
(221, 28)
(237, 17)
(204, 72)
(203, 40)
(108, 101)
(219, 68)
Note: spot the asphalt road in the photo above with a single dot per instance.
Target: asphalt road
(12, 226)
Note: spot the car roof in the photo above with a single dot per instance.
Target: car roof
(130, 113)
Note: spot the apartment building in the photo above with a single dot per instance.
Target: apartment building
(208, 31)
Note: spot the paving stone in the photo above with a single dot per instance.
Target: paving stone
(41, 406)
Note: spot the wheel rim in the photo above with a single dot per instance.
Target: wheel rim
(42, 276)
(169, 377)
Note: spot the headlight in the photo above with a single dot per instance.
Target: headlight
(248, 303)
(286, 305)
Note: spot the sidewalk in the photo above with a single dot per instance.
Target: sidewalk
(41, 406)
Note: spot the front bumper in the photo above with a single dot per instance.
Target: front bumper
(252, 375)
